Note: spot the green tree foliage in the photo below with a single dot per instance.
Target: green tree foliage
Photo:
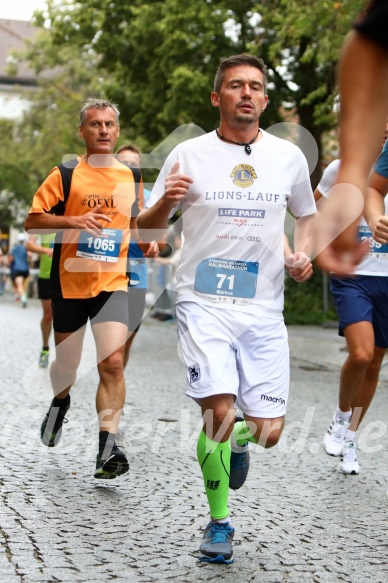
(301, 41)
(157, 60)
(303, 302)
(14, 181)
(162, 55)
(159, 57)
(48, 131)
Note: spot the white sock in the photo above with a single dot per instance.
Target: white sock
(221, 520)
(351, 436)
(344, 415)
(239, 448)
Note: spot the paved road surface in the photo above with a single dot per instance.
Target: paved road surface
(297, 520)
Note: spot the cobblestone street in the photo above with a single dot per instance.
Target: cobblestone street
(297, 519)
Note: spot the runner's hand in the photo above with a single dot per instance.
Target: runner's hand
(91, 221)
(299, 266)
(177, 186)
(149, 249)
(380, 230)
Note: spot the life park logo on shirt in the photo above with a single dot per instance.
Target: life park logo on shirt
(243, 175)
(242, 213)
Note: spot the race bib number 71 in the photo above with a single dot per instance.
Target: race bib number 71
(226, 278)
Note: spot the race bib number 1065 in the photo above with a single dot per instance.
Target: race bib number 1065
(106, 247)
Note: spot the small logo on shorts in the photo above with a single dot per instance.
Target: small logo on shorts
(273, 399)
(194, 372)
(213, 484)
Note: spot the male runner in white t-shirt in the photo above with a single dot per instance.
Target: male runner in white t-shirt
(234, 186)
(362, 308)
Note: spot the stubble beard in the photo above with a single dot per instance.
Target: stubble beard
(246, 118)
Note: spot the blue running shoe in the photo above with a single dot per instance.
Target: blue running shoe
(239, 467)
(217, 542)
(239, 461)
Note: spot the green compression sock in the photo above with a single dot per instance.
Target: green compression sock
(241, 434)
(214, 459)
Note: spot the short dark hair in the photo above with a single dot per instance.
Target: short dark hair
(239, 61)
(130, 147)
(94, 103)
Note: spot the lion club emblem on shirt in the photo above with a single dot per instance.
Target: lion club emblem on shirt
(243, 175)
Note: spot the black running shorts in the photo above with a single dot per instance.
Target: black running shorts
(71, 314)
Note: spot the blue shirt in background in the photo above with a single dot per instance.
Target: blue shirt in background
(381, 166)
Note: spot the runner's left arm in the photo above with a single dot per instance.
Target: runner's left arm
(299, 264)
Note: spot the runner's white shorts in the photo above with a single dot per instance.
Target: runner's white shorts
(233, 352)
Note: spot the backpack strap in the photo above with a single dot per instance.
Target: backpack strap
(66, 171)
(137, 176)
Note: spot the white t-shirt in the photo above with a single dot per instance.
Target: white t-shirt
(375, 261)
(233, 220)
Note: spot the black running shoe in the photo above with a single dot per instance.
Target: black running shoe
(239, 463)
(51, 428)
(114, 465)
(217, 541)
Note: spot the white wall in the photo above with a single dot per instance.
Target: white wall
(12, 102)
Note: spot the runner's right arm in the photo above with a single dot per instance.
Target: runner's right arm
(374, 209)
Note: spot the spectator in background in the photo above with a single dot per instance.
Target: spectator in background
(20, 269)
(45, 252)
(3, 276)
